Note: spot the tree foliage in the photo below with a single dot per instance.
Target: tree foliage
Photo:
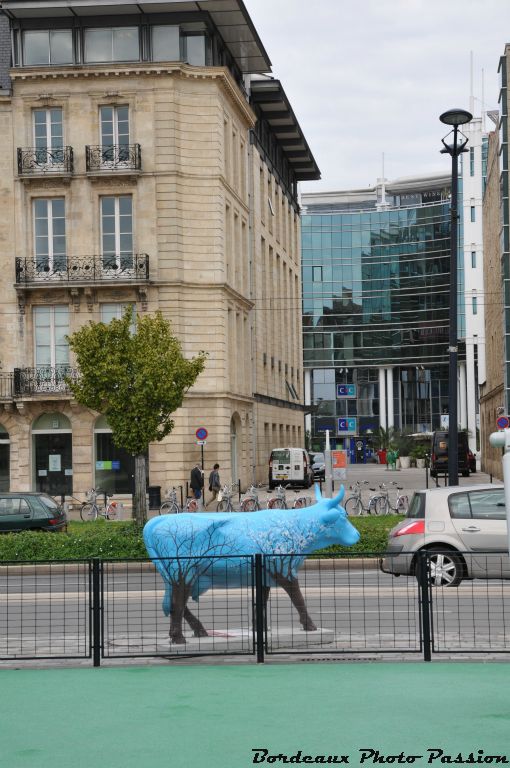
(137, 380)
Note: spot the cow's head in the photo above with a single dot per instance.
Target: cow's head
(338, 529)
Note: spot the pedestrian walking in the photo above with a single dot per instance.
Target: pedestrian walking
(214, 484)
(197, 481)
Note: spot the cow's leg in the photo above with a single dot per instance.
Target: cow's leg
(292, 588)
(180, 594)
(195, 624)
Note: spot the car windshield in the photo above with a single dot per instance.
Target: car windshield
(318, 458)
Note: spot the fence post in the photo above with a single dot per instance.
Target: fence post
(425, 600)
(259, 609)
(96, 611)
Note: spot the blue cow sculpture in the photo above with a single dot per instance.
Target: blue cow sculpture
(195, 551)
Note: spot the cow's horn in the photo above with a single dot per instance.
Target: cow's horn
(335, 502)
(318, 494)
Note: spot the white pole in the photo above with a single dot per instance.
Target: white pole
(328, 469)
(502, 440)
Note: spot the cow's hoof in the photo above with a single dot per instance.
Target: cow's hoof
(178, 640)
(200, 633)
(310, 627)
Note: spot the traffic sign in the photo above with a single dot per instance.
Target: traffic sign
(503, 422)
(201, 442)
(201, 433)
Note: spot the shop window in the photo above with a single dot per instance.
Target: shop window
(52, 444)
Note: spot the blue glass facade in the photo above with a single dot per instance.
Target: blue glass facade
(376, 299)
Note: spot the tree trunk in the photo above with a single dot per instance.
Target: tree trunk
(140, 494)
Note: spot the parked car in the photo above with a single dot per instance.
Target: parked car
(472, 461)
(465, 530)
(318, 466)
(439, 454)
(290, 466)
(30, 512)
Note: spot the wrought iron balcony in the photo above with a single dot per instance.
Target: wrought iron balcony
(35, 161)
(114, 157)
(6, 386)
(130, 267)
(44, 379)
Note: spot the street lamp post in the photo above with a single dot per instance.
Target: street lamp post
(454, 118)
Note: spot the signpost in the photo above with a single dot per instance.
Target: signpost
(202, 434)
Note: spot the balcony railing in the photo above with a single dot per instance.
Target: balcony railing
(115, 157)
(84, 269)
(44, 379)
(35, 161)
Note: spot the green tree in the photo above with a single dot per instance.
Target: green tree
(137, 380)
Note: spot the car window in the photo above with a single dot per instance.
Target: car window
(9, 506)
(48, 502)
(459, 506)
(488, 505)
(417, 506)
(281, 457)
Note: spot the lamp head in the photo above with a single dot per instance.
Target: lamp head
(456, 117)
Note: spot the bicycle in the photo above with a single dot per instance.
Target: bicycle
(250, 502)
(170, 505)
(279, 500)
(383, 505)
(354, 504)
(300, 502)
(90, 511)
(225, 503)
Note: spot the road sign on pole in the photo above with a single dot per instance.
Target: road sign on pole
(503, 422)
(201, 433)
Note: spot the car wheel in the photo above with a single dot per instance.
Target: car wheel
(446, 569)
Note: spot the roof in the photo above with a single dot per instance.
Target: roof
(270, 98)
(230, 17)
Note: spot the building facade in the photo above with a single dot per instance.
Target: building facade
(376, 311)
(144, 164)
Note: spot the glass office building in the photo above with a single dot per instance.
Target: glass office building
(376, 310)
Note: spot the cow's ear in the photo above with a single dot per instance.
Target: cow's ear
(330, 517)
(318, 494)
(335, 502)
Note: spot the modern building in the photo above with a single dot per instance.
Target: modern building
(148, 159)
(376, 273)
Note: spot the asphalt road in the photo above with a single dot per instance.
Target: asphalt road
(355, 609)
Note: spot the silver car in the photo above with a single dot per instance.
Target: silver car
(465, 530)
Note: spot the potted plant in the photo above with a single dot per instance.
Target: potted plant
(404, 445)
(418, 453)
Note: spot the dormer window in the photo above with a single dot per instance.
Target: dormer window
(48, 46)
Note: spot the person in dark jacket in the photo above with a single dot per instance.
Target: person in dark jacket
(214, 484)
(197, 481)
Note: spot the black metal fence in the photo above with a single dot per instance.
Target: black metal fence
(250, 605)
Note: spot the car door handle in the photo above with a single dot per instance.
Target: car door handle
(471, 529)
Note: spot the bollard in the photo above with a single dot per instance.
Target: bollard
(239, 488)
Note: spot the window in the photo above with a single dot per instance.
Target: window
(473, 259)
(112, 44)
(459, 506)
(114, 134)
(195, 50)
(473, 213)
(471, 161)
(489, 505)
(111, 312)
(117, 232)
(48, 136)
(49, 234)
(166, 43)
(51, 326)
(48, 47)
(317, 274)
(11, 506)
(474, 305)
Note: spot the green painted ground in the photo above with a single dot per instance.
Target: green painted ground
(187, 716)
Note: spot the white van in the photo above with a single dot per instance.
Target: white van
(290, 466)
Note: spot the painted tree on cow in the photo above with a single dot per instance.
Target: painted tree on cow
(136, 376)
(194, 552)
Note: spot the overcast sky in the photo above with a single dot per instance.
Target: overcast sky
(367, 77)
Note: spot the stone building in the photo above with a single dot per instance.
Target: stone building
(148, 159)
